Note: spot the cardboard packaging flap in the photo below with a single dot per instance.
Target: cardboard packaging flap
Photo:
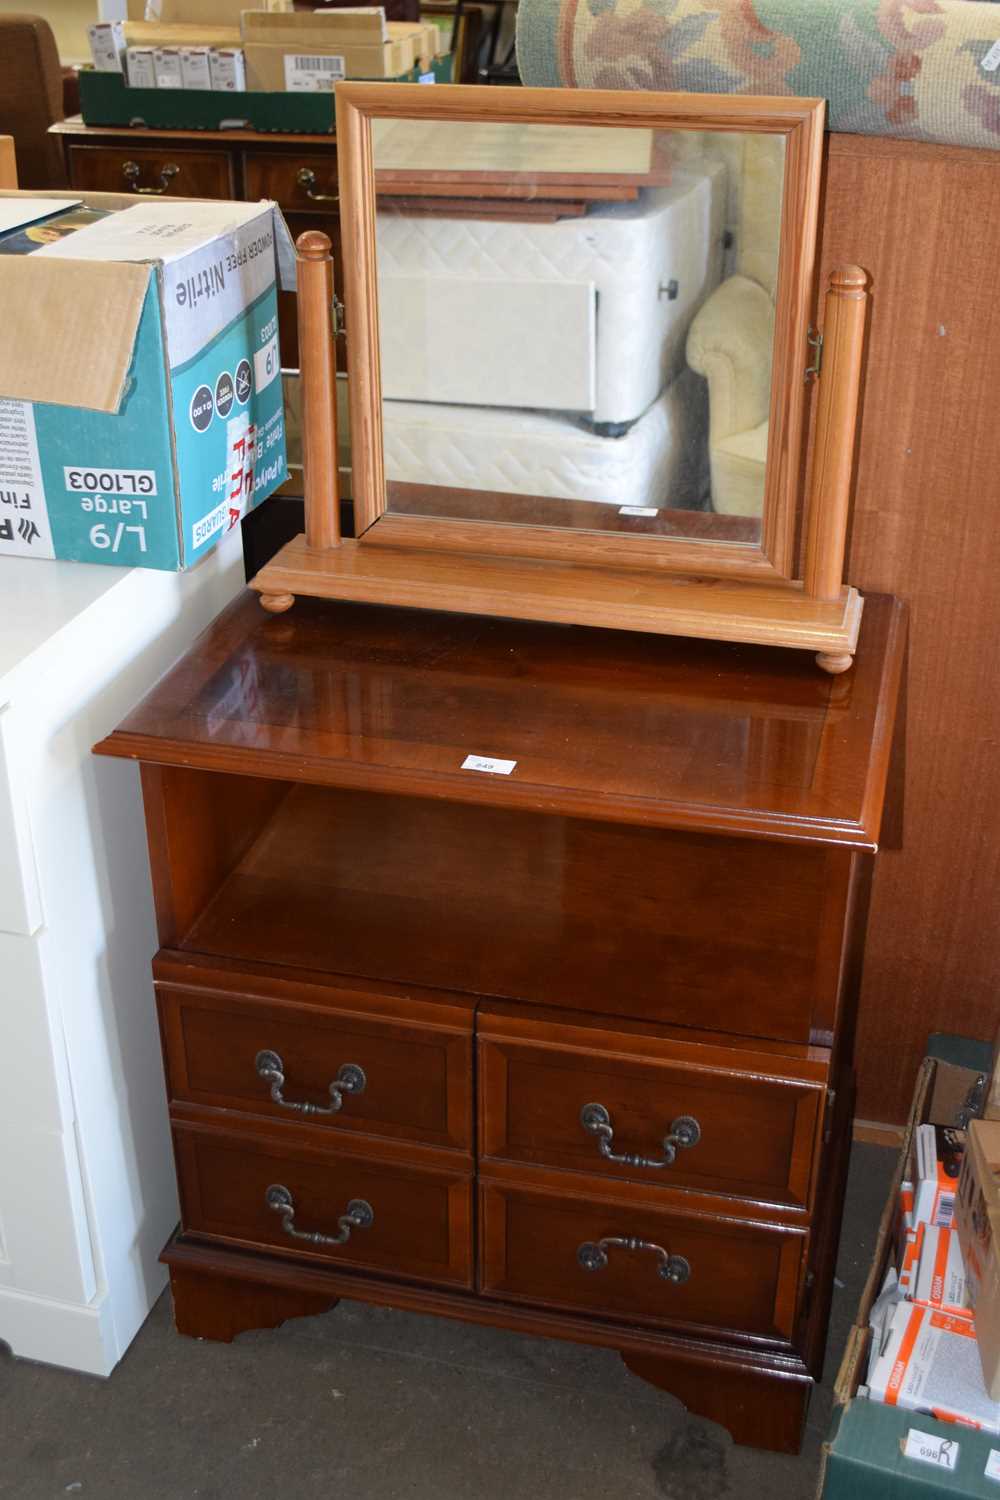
(50, 313)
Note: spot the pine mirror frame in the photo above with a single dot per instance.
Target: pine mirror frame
(799, 121)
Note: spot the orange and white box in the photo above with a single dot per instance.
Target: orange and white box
(940, 1278)
(939, 1160)
(910, 1260)
(930, 1363)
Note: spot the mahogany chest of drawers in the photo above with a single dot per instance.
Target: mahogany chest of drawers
(565, 1049)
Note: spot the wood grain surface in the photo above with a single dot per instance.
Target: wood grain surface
(924, 222)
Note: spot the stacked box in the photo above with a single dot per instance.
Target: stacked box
(140, 401)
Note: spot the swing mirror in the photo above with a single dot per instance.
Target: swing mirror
(577, 322)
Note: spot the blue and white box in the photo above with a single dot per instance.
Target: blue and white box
(140, 381)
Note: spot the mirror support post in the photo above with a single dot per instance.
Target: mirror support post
(319, 391)
(836, 423)
(318, 376)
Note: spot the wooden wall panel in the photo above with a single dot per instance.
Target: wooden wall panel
(924, 220)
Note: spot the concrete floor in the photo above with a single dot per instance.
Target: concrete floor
(372, 1404)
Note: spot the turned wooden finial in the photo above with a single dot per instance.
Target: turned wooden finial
(313, 245)
(845, 281)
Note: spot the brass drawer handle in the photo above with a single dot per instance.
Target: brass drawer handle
(593, 1256)
(359, 1215)
(132, 171)
(684, 1133)
(306, 179)
(350, 1079)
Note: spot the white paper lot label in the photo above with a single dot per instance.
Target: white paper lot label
(489, 764)
(312, 75)
(940, 1451)
(24, 516)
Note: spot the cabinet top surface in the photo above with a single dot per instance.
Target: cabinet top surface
(76, 129)
(632, 728)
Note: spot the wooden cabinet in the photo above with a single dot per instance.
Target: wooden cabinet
(298, 171)
(567, 1050)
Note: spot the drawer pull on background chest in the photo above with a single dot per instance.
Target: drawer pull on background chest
(593, 1256)
(684, 1133)
(132, 171)
(359, 1215)
(350, 1079)
(306, 179)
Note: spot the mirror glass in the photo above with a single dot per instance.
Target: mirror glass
(576, 324)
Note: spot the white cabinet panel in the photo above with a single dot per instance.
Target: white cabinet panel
(20, 905)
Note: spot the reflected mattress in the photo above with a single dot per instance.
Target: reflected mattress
(661, 460)
(640, 272)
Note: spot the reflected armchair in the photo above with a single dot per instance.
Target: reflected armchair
(729, 341)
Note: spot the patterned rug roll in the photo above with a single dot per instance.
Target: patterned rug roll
(924, 69)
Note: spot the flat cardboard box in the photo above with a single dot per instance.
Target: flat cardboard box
(978, 1222)
(303, 30)
(268, 73)
(205, 12)
(153, 34)
(140, 398)
(863, 1458)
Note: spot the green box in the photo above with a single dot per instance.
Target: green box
(106, 99)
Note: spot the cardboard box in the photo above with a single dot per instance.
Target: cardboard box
(940, 1280)
(978, 1222)
(140, 67)
(167, 67)
(140, 392)
(864, 1457)
(194, 68)
(227, 69)
(107, 46)
(284, 50)
(282, 68)
(206, 12)
(939, 1156)
(929, 1364)
(152, 34)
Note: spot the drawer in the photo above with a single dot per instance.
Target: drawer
(344, 1060)
(161, 169)
(578, 1244)
(295, 181)
(404, 1211)
(634, 1102)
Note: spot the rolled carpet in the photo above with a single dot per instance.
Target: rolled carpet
(924, 69)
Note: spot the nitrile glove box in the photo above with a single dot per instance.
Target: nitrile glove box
(140, 383)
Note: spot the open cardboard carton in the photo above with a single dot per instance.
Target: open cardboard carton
(140, 395)
(863, 1458)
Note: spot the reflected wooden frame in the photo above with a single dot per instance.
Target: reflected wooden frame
(799, 121)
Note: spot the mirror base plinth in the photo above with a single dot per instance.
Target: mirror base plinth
(834, 662)
(771, 614)
(276, 604)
